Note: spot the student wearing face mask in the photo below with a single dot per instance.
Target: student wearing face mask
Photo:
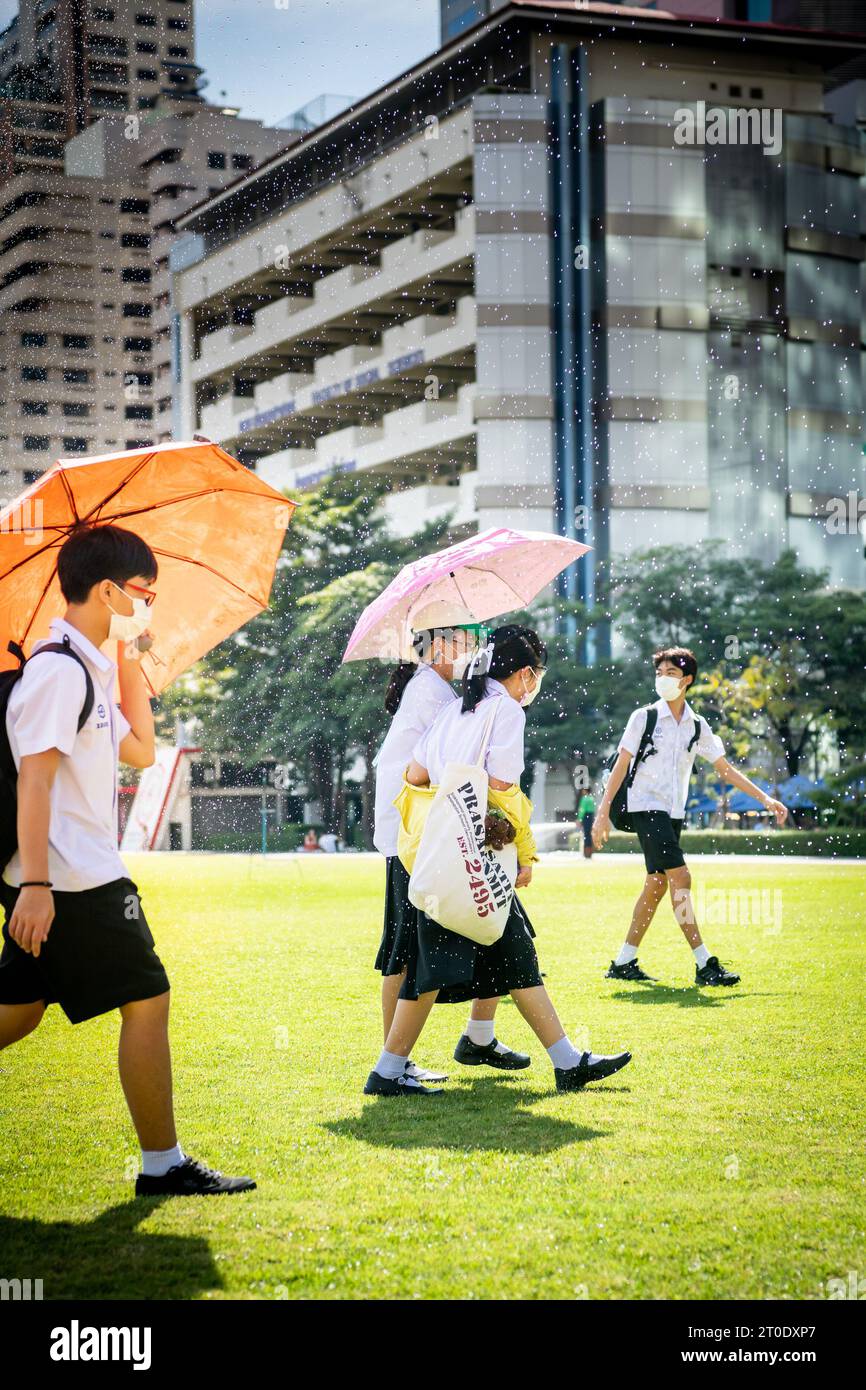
(75, 933)
(443, 965)
(656, 801)
(417, 692)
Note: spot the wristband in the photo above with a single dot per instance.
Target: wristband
(36, 883)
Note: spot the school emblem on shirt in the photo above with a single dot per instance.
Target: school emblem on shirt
(101, 717)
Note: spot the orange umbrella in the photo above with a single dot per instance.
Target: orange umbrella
(216, 530)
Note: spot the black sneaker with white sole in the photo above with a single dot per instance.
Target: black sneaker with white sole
(398, 1086)
(495, 1054)
(715, 974)
(630, 971)
(191, 1179)
(422, 1074)
(575, 1078)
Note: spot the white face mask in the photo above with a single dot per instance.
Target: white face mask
(460, 663)
(126, 627)
(530, 695)
(668, 687)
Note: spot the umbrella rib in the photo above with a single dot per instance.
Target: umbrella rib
(185, 559)
(190, 497)
(120, 486)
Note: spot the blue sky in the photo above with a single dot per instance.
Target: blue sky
(272, 56)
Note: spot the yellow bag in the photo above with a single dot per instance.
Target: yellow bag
(413, 804)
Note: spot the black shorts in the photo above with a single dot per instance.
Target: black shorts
(659, 837)
(99, 954)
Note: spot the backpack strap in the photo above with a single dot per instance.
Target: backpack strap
(695, 736)
(488, 732)
(646, 737)
(65, 648)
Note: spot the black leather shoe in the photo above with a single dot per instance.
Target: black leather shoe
(475, 1055)
(630, 971)
(575, 1078)
(715, 974)
(191, 1179)
(400, 1086)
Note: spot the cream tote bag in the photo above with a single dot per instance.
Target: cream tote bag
(456, 881)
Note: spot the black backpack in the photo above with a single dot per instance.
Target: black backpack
(620, 817)
(8, 771)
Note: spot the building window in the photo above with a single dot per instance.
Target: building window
(74, 444)
(136, 240)
(137, 345)
(138, 443)
(77, 341)
(145, 46)
(34, 374)
(34, 407)
(30, 474)
(136, 275)
(76, 410)
(147, 74)
(242, 161)
(139, 205)
(137, 311)
(34, 339)
(102, 12)
(177, 50)
(139, 412)
(216, 159)
(76, 376)
(146, 21)
(36, 444)
(177, 24)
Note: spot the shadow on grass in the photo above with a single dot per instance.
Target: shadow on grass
(484, 1115)
(107, 1257)
(686, 997)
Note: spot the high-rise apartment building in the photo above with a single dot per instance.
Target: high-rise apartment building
(88, 202)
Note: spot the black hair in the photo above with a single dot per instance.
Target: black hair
(513, 648)
(678, 656)
(94, 553)
(405, 670)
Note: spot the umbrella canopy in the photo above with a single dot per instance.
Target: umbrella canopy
(489, 574)
(215, 528)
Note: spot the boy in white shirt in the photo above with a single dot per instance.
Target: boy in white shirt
(75, 933)
(656, 802)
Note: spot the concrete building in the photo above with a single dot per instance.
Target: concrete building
(177, 160)
(106, 55)
(75, 318)
(522, 284)
(87, 207)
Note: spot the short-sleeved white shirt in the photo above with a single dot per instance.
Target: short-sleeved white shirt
(425, 695)
(43, 712)
(662, 780)
(457, 737)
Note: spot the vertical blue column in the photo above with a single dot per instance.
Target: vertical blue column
(572, 322)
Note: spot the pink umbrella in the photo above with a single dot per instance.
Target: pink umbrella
(488, 574)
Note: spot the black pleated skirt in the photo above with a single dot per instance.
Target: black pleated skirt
(461, 970)
(399, 925)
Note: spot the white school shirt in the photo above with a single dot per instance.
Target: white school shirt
(425, 695)
(43, 712)
(662, 780)
(457, 737)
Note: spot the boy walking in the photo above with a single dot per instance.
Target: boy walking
(656, 801)
(75, 933)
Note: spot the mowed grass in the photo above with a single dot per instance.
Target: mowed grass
(725, 1162)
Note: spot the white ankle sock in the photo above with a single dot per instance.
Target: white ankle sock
(480, 1031)
(155, 1163)
(701, 955)
(626, 954)
(390, 1065)
(564, 1054)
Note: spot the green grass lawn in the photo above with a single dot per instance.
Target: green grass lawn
(725, 1162)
